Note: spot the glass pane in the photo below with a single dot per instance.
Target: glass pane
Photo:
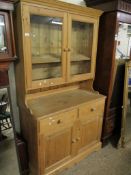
(123, 41)
(46, 33)
(81, 47)
(3, 46)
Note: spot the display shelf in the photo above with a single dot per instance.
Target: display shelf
(79, 57)
(45, 59)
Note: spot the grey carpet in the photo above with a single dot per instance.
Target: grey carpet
(107, 161)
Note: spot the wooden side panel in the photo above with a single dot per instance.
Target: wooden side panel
(29, 133)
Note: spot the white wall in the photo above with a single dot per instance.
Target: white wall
(78, 2)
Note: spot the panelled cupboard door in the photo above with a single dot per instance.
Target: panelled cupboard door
(45, 42)
(89, 132)
(56, 139)
(82, 43)
(90, 117)
(55, 148)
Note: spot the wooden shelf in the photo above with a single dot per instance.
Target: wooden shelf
(46, 59)
(50, 58)
(79, 57)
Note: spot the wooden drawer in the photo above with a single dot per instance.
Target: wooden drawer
(86, 112)
(58, 122)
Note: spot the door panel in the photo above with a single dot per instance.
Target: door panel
(89, 133)
(81, 53)
(45, 37)
(57, 148)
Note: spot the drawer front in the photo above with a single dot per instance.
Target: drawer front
(89, 111)
(58, 122)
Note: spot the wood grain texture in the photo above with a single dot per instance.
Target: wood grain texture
(57, 102)
(52, 109)
(65, 6)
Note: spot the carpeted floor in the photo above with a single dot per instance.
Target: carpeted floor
(107, 161)
(8, 157)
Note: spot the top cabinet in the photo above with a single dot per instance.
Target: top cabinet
(7, 48)
(59, 46)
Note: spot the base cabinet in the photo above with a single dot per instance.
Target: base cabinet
(64, 137)
(56, 138)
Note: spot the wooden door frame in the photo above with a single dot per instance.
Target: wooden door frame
(27, 10)
(89, 20)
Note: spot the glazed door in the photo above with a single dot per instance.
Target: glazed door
(45, 43)
(82, 44)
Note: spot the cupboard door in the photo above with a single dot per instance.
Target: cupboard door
(90, 117)
(82, 39)
(45, 37)
(89, 133)
(56, 140)
(55, 149)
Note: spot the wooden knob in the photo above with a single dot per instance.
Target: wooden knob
(59, 122)
(78, 139)
(65, 49)
(51, 83)
(69, 50)
(74, 141)
(93, 109)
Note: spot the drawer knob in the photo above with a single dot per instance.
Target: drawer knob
(78, 139)
(74, 141)
(93, 109)
(51, 83)
(59, 122)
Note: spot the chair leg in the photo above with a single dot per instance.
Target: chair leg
(7, 122)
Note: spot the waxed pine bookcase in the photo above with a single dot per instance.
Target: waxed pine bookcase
(61, 114)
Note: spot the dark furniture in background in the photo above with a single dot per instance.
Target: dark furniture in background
(7, 46)
(109, 78)
(23, 155)
(7, 56)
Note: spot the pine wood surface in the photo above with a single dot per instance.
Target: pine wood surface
(64, 6)
(57, 102)
(60, 121)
